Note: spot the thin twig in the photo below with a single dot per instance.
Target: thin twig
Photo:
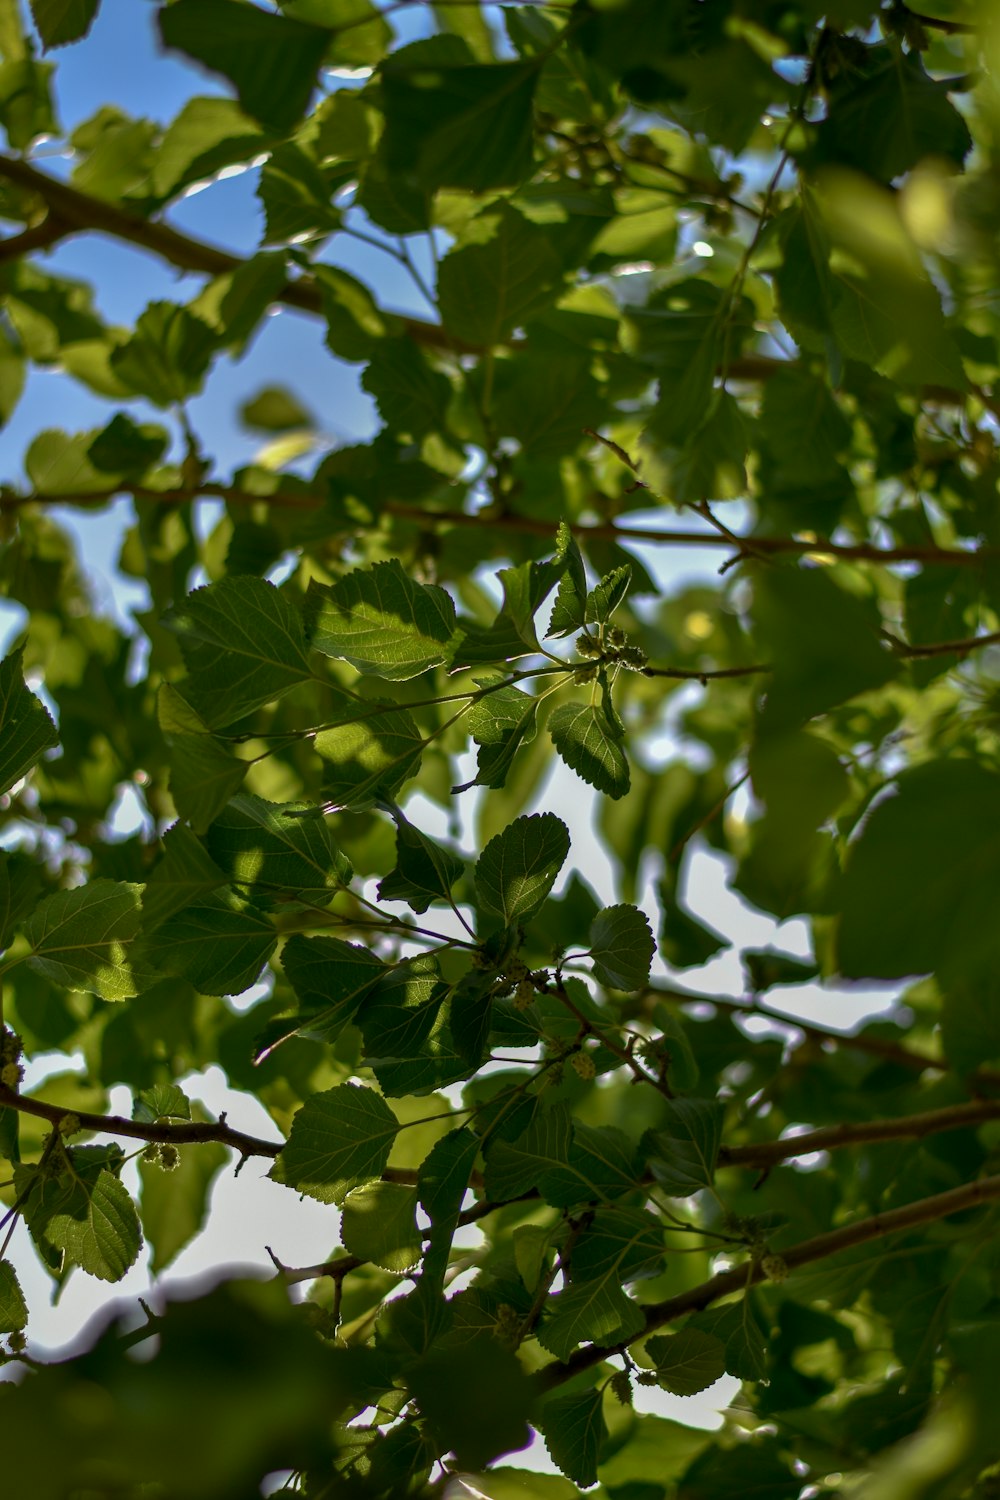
(696, 674)
(942, 648)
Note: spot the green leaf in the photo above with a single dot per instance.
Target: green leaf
(99, 1231)
(271, 61)
(330, 978)
(167, 356)
(26, 728)
(359, 35)
(275, 409)
(622, 947)
(59, 463)
(13, 1308)
(687, 1362)
(499, 723)
(518, 868)
(243, 645)
(575, 1431)
(20, 890)
(367, 761)
(736, 1326)
(476, 1400)
(208, 135)
(601, 1167)
(489, 286)
(296, 197)
(683, 1151)
(12, 378)
(594, 1312)
(173, 1206)
(218, 943)
(185, 872)
(441, 1189)
(603, 600)
(944, 893)
(234, 303)
(804, 432)
(471, 1015)
(823, 645)
(513, 632)
(425, 871)
(408, 1043)
(412, 398)
(277, 852)
(164, 1101)
(886, 114)
(203, 777)
(356, 327)
(379, 1224)
(618, 1243)
(122, 447)
(466, 126)
(82, 938)
(514, 1167)
(590, 743)
(381, 621)
(339, 1140)
(62, 21)
(681, 337)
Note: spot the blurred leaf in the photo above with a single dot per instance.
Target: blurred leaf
(26, 727)
(452, 122)
(271, 61)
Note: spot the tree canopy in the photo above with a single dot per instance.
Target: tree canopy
(727, 267)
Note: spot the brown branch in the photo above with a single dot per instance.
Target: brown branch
(10, 500)
(942, 648)
(866, 1132)
(875, 1046)
(78, 213)
(694, 674)
(40, 236)
(175, 1133)
(180, 1133)
(821, 1247)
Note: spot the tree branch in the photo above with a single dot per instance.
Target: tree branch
(693, 674)
(821, 1247)
(610, 531)
(77, 213)
(180, 1133)
(875, 1046)
(41, 236)
(866, 1132)
(942, 648)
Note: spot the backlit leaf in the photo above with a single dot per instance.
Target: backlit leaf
(339, 1139)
